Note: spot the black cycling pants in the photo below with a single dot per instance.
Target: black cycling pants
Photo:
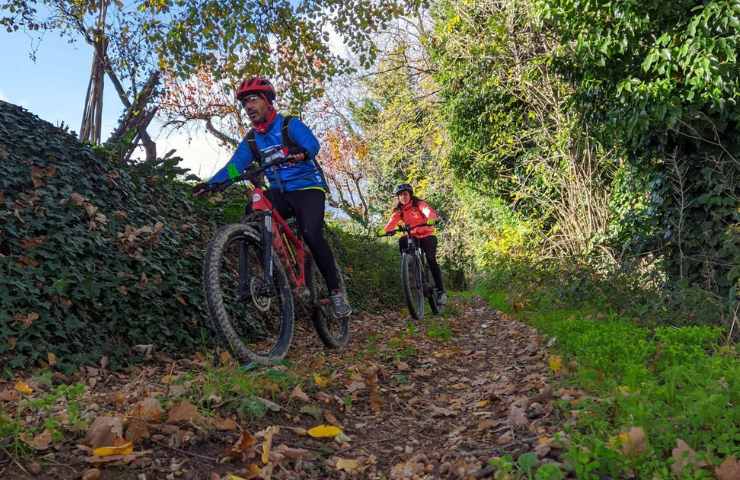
(429, 247)
(308, 208)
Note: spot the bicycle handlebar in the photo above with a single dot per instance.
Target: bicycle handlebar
(251, 173)
(405, 229)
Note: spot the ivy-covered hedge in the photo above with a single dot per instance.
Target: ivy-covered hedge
(95, 256)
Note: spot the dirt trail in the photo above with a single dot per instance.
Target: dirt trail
(432, 401)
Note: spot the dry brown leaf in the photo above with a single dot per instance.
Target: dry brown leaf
(371, 381)
(299, 394)
(104, 431)
(27, 319)
(9, 395)
(633, 441)
(517, 417)
(92, 474)
(330, 418)
(441, 412)
(728, 470)
(225, 424)
(244, 446)
(148, 409)
(683, 456)
(183, 412)
(137, 430)
(291, 453)
(226, 359)
(267, 443)
(40, 441)
(349, 465)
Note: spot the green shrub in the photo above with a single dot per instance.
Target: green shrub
(673, 381)
(95, 255)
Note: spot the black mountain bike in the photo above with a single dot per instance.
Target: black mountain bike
(416, 277)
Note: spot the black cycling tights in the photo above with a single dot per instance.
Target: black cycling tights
(308, 208)
(429, 247)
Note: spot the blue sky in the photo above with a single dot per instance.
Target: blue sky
(54, 86)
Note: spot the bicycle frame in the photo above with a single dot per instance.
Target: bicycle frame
(277, 232)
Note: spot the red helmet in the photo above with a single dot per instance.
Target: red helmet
(258, 85)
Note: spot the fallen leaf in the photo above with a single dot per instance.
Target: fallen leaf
(27, 319)
(347, 464)
(324, 431)
(267, 443)
(104, 431)
(442, 412)
(633, 441)
(330, 418)
(243, 446)
(517, 417)
(299, 394)
(226, 359)
(291, 453)
(40, 441)
(9, 395)
(92, 474)
(728, 470)
(225, 424)
(683, 456)
(373, 390)
(555, 362)
(313, 410)
(123, 449)
(148, 409)
(183, 412)
(51, 358)
(137, 430)
(320, 381)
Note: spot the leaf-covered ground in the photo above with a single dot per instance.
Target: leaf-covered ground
(431, 400)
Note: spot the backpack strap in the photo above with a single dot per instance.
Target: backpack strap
(286, 140)
(252, 142)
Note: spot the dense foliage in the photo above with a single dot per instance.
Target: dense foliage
(95, 256)
(599, 130)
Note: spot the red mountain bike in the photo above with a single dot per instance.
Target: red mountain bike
(250, 272)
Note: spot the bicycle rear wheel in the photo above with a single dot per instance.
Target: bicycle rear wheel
(253, 315)
(412, 288)
(334, 332)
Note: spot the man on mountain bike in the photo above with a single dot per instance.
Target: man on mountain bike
(418, 215)
(295, 189)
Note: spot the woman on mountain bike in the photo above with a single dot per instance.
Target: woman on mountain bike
(415, 212)
(296, 189)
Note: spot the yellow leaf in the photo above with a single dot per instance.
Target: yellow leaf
(320, 381)
(124, 449)
(23, 388)
(51, 358)
(555, 363)
(324, 431)
(347, 464)
(267, 444)
(231, 476)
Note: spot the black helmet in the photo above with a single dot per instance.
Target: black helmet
(404, 187)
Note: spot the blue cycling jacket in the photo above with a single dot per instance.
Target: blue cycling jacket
(287, 177)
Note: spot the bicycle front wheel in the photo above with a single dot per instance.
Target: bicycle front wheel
(253, 313)
(334, 332)
(412, 287)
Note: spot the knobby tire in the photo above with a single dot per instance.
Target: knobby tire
(222, 321)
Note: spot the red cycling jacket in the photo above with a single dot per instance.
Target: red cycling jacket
(413, 215)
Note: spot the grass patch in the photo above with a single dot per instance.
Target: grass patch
(675, 382)
(439, 329)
